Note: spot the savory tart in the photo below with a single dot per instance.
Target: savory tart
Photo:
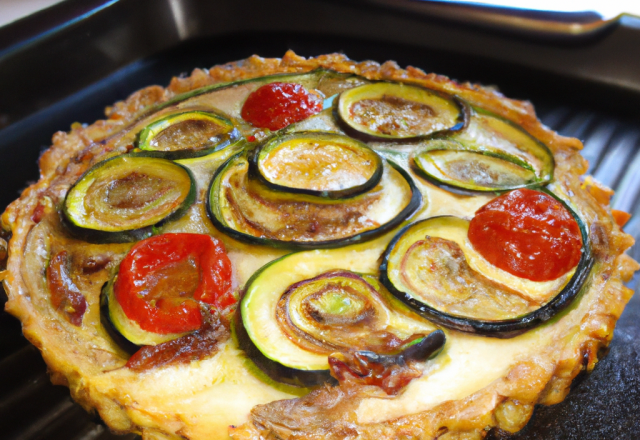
(316, 248)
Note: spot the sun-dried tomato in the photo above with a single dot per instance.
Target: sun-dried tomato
(65, 296)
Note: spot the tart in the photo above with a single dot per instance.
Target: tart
(316, 248)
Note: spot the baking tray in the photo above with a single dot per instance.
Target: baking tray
(69, 62)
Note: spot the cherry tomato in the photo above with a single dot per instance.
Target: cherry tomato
(528, 234)
(164, 279)
(276, 105)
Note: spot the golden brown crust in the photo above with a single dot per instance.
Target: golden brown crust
(506, 403)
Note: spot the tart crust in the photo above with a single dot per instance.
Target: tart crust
(83, 360)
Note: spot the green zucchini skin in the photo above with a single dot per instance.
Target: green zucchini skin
(275, 370)
(466, 191)
(128, 235)
(411, 208)
(101, 237)
(147, 134)
(254, 307)
(509, 327)
(105, 319)
(254, 171)
(542, 178)
(472, 189)
(429, 347)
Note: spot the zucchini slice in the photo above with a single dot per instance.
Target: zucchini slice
(299, 309)
(432, 267)
(318, 164)
(490, 154)
(120, 199)
(250, 211)
(398, 111)
(188, 134)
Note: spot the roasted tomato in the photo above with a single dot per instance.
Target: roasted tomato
(276, 105)
(528, 234)
(65, 296)
(164, 280)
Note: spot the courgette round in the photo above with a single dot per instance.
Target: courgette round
(250, 211)
(490, 154)
(396, 111)
(462, 300)
(318, 164)
(120, 199)
(188, 134)
(299, 309)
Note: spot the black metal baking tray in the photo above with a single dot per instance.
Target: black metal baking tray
(69, 62)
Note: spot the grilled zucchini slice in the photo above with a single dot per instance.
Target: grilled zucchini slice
(120, 199)
(299, 309)
(395, 111)
(188, 134)
(490, 154)
(248, 210)
(317, 164)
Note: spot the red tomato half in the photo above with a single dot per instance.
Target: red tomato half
(276, 105)
(528, 234)
(163, 280)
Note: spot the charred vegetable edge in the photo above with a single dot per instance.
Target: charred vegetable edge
(148, 133)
